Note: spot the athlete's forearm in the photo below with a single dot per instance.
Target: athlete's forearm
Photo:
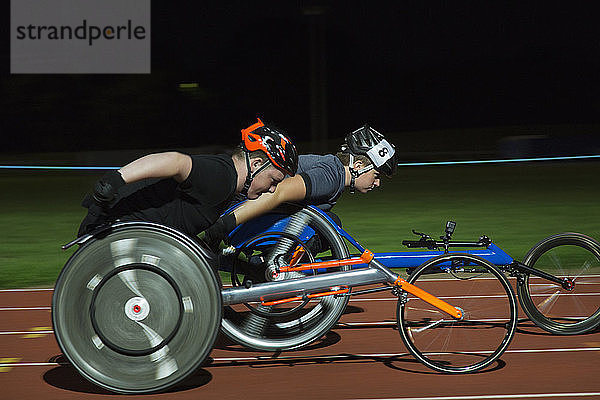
(291, 189)
(160, 165)
(254, 208)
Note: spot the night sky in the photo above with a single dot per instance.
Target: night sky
(403, 66)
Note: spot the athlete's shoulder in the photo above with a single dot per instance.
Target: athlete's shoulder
(212, 175)
(214, 159)
(309, 161)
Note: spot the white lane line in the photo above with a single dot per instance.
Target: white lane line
(338, 324)
(354, 300)
(325, 357)
(358, 324)
(31, 364)
(351, 300)
(379, 355)
(229, 285)
(553, 350)
(26, 332)
(499, 296)
(394, 323)
(497, 396)
(440, 297)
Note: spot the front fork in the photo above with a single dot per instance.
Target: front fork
(518, 270)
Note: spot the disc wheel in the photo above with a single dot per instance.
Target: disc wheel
(138, 310)
(558, 310)
(484, 295)
(290, 325)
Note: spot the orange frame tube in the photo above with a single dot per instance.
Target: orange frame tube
(365, 258)
(308, 296)
(429, 298)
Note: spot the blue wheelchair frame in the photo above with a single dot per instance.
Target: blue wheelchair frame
(276, 223)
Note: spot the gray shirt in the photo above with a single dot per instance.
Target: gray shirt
(324, 178)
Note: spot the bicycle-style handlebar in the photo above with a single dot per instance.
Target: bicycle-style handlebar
(427, 242)
(431, 244)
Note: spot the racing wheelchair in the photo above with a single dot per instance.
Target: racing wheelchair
(558, 282)
(137, 307)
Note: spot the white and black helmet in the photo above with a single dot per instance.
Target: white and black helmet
(366, 141)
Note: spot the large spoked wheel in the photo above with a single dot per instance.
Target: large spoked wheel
(138, 310)
(561, 311)
(290, 325)
(488, 303)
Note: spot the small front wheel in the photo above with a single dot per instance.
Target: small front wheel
(484, 295)
(550, 306)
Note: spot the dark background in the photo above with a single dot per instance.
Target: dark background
(406, 67)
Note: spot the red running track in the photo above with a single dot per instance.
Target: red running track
(363, 361)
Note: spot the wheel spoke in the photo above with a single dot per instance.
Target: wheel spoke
(547, 303)
(433, 311)
(129, 278)
(154, 338)
(543, 288)
(430, 326)
(586, 266)
(558, 265)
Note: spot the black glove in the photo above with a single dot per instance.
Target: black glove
(106, 189)
(218, 231)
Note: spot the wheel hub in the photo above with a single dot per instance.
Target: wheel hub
(272, 273)
(137, 308)
(568, 284)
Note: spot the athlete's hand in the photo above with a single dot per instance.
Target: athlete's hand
(106, 189)
(216, 233)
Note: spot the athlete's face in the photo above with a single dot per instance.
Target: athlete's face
(367, 181)
(266, 180)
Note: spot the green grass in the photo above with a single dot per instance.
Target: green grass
(516, 205)
(39, 212)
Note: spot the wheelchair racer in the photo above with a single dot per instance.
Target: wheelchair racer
(189, 192)
(321, 180)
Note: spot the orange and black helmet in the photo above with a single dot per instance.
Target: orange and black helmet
(275, 144)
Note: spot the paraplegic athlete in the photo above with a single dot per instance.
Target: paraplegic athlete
(189, 192)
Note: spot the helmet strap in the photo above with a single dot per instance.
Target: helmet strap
(364, 169)
(355, 174)
(352, 178)
(251, 175)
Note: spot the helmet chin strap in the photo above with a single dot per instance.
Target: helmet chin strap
(355, 174)
(251, 175)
